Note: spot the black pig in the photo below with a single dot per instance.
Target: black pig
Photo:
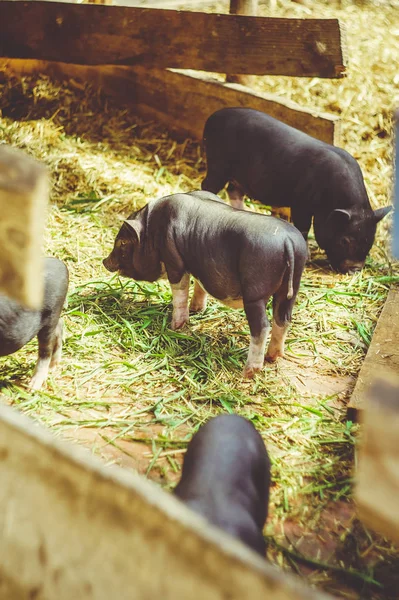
(226, 478)
(239, 257)
(281, 166)
(18, 325)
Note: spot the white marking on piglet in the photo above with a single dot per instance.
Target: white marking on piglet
(40, 374)
(180, 302)
(277, 340)
(198, 301)
(256, 354)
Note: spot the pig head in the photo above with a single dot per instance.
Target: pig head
(347, 235)
(135, 253)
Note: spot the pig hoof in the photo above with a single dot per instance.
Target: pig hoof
(271, 358)
(178, 324)
(197, 306)
(249, 372)
(36, 383)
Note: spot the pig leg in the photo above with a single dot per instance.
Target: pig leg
(282, 310)
(46, 337)
(57, 347)
(277, 340)
(198, 301)
(302, 221)
(259, 328)
(236, 196)
(180, 302)
(213, 182)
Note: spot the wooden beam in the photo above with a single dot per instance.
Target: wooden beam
(377, 488)
(24, 192)
(180, 101)
(72, 528)
(92, 34)
(383, 352)
(249, 8)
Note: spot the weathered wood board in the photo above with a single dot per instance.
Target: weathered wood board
(71, 528)
(93, 34)
(24, 194)
(383, 352)
(180, 101)
(250, 9)
(377, 489)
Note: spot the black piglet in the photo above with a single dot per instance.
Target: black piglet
(226, 478)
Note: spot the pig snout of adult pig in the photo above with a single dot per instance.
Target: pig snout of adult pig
(18, 325)
(238, 257)
(226, 478)
(280, 166)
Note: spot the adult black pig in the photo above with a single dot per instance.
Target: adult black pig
(281, 166)
(18, 325)
(239, 257)
(226, 478)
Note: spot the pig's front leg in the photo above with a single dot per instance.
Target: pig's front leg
(198, 301)
(259, 328)
(180, 302)
(303, 222)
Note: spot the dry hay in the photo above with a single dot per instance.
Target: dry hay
(132, 390)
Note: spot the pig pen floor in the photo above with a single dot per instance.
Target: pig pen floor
(132, 391)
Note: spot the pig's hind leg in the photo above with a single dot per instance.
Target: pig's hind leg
(50, 343)
(198, 301)
(282, 310)
(180, 292)
(57, 345)
(259, 328)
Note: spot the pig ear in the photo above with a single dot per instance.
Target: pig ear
(380, 213)
(342, 214)
(135, 227)
(339, 216)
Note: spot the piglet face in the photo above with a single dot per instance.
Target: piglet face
(121, 258)
(133, 255)
(347, 237)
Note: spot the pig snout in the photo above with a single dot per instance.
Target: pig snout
(110, 263)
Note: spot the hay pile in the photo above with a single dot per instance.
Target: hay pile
(132, 390)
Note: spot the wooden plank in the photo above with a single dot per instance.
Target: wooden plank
(24, 192)
(249, 8)
(383, 352)
(377, 488)
(181, 101)
(92, 34)
(72, 528)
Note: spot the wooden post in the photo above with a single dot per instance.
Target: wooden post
(249, 8)
(378, 473)
(23, 198)
(383, 353)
